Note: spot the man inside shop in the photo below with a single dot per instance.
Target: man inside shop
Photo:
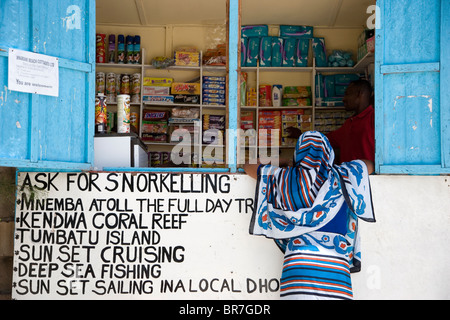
(356, 138)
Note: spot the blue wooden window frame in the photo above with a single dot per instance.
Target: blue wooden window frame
(34, 164)
(382, 110)
(32, 42)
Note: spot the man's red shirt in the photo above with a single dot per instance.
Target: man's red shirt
(356, 137)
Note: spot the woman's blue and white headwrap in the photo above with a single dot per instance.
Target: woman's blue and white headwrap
(300, 200)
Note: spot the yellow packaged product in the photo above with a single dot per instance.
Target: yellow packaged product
(251, 97)
(162, 82)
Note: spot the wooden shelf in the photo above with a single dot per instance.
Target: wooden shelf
(119, 66)
(284, 107)
(359, 67)
(278, 69)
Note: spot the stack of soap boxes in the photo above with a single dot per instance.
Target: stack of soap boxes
(289, 49)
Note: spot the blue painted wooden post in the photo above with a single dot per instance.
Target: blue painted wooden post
(445, 82)
(411, 106)
(38, 131)
(233, 45)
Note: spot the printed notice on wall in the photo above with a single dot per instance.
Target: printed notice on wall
(33, 73)
(140, 236)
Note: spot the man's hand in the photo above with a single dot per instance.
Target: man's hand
(294, 132)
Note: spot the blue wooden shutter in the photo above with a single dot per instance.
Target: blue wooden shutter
(38, 131)
(412, 87)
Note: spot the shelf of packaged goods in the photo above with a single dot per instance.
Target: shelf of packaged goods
(275, 108)
(336, 69)
(368, 59)
(284, 107)
(170, 105)
(119, 66)
(188, 68)
(214, 68)
(361, 66)
(330, 108)
(277, 69)
(170, 144)
(133, 104)
(203, 145)
(279, 147)
(285, 69)
(214, 106)
(184, 68)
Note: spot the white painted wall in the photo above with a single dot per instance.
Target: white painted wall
(406, 253)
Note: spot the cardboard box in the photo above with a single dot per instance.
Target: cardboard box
(156, 90)
(291, 115)
(165, 82)
(187, 99)
(160, 127)
(214, 79)
(151, 137)
(188, 59)
(214, 85)
(186, 88)
(297, 92)
(155, 115)
(158, 99)
(300, 102)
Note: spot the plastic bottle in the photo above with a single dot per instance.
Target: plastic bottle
(130, 49)
(112, 49)
(137, 49)
(100, 113)
(121, 49)
(277, 90)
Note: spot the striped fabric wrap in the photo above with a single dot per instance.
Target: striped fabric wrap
(316, 276)
(311, 210)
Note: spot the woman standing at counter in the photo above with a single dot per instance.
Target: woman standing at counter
(311, 211)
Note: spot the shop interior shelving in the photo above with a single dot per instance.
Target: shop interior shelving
(147, 69)
(359, 68)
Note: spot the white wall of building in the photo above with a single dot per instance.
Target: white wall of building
(406, 253)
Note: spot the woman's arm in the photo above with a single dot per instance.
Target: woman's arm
(370, 166)
(251, 170)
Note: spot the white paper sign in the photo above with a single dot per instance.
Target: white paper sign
(33, 73)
